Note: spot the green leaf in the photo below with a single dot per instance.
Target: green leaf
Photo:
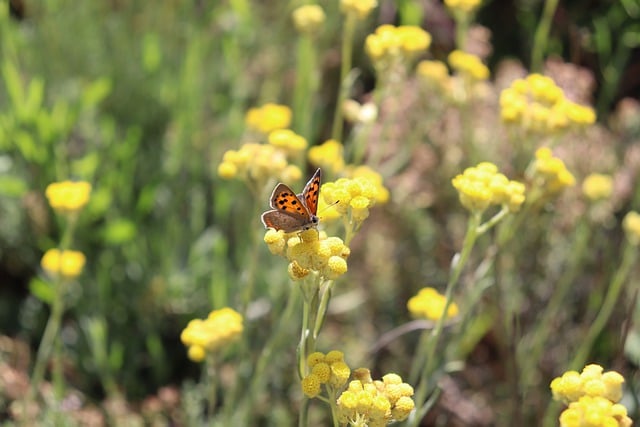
(96, 92)
(42, 290)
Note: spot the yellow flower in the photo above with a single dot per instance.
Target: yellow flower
(329, 370)
(597, 186)
(429, 304)
(468, 65)
(594, 411)
(219, 329)
(376, 402)
(268, 118)
(68, 196)
(551, 173)
(462, 6)
(482, 186)
(288, 140)
(434, 73)
(260, 162)
(68, 264)
(358, 8)
(328, 156)
(393, 43)
(631, 226)
(537, 104)
(572, 386)
(311, 386)
(308, 18)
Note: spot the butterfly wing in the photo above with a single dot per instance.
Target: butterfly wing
(281, 221)
(311, 193)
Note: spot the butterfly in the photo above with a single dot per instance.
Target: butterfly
(294, 212)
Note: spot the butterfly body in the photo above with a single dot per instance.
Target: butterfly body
(294, 212)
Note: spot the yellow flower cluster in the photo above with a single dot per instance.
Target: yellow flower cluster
(258, 162)
(268, 118)
(308, 18)
(537, 104)
(482, 186)
(631, 226)
(308, 251)
(358, 8)
(597, 186)
(468, 65)
(550, 173)
(429, 304)
(462, 6)
(287, 140)
(592, 397)
(67, 264)
(390, 42)
(353, 197)
(435, 74)
(207, 335)
(329, 369)
(375, 403)
(328, 156)
(68, 196)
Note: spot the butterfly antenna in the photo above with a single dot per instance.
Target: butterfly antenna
(327, 207)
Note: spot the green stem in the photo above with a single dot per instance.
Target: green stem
(345, 67)
(306, 85)
(211, 385)
(541, 38)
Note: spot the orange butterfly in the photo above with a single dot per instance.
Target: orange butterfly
(293, 212)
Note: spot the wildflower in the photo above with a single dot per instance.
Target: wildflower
(462, 6)
(67, 264)
(550, 172)
(597, 186)
(329, 370)
(375, 403)
(203, 336)
(328, 155)
(631, 226)
(390, 43)
(354, 197)
(537, 104)
(594, 411)
(434, 74)
(358, 8)
(308, 18)
(468, 65)
(68, 196)
(288, 140)
(429, 304)
(482, 186)
(571, 386)
(258, 162)
(268, 118)
(308, 251)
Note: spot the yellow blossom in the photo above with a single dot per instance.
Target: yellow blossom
(220, 328)
(68, 196)
(268, 118)
(328, 369)
(358, 8)
(481, 186)
(328, 155)
(434, 74)
(462, 6)
(288, 140)
(468, 65)
(260, 162)
(67, 263)
(311, 386)
(631, 226)
(393, 43)
(429, 304)
(308, 18)
(571, 386)
(550, 172)
(597, 186)
(594, 411)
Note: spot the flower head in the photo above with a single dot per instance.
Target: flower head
(468, 65)
(594, 411)
(429, 304)
(288, 140)
(329, 370)
(631, 226)
(550, 173)
(462, 6)
(268, 118)
(482, 186)
(358, 8)
(390, 45)
(260, 162)
(308, 19)
(328, 155)
(375, 403)
(68, 196)
(67, 264)
(597, 186)
(220, 328)
(571, 386)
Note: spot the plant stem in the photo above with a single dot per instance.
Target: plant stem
(345, 66)
(541, 38)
